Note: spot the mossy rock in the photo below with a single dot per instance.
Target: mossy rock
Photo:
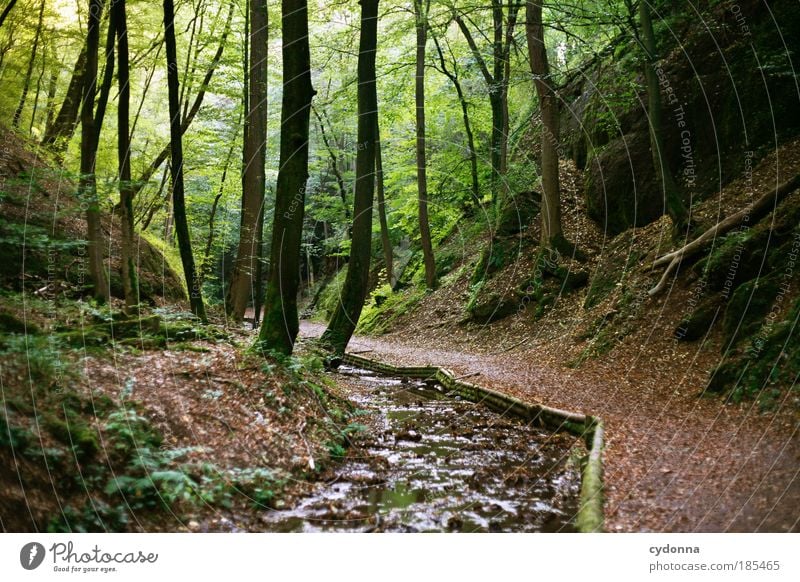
(736, 260)
(73, 431)
(572, 280)
(697, 324)
(518, 213)
(748, 307)
(493, 307)
(501, 252)
(10, 323)
(724, 377)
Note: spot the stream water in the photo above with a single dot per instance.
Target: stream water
(431, 462)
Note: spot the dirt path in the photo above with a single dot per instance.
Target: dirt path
(674, 462)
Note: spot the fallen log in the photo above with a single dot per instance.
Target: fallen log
(761, 207)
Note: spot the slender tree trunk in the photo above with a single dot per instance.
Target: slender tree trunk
(129, 278)
(280, 325)
(548, 105)
(344, 320)
(205, 263)
(672, 197)
(29, 73)
(246, 91)
(6, 10)
(388, 255)
(241, 290)
(64, 125)
(334, 163)
(473, 154)
(38, 91)
(421, 15)
(176, 141)
(159, 200)
(52, 86)
(88, 183)
(186, 122)
(497, 82)
(258, 292)
(108, 78)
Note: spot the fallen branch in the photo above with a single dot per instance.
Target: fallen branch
(763, 206)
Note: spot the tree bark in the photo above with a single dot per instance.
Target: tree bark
(52, 86)
(129, 278)
(63, 127)
(497, 82)
(176, 167)
(344, 320)
(241, 289)
(108, 79)
(473, 154)
(88, 182)
(388, 255)
(672, 197)
(281, 324)
(334, 163)
(186, 122)
(258, 291)
(6, 10)
(421, 15)
(205, 263)
(29, 73)
(548, 105)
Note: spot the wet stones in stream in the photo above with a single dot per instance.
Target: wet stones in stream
(430, 462)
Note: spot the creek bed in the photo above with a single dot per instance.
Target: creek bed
(432, 462)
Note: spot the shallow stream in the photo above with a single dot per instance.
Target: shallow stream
(432, 462)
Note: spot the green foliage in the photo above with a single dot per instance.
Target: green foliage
(384, 306)
(330, 296)
(41, 356)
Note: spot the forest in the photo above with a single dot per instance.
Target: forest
(406, 266)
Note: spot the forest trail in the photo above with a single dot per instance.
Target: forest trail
(673, 462)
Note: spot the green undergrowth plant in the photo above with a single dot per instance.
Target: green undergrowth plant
(384, 306)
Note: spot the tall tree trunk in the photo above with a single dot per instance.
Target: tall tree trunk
(129, 278)
(334, 164)
(108, 78)
(258, 292)
(63, 127)
(52, 86)
(186, 121)
(38, 91)
(205, 263)
(548, 105)
(6, 10)
(29, 73)
(280, 325)
(497, 82)
(159, 200)
(388, 255)
(473, 155)
(344, 320)
(421, 15)
(241, 291)
(176, 166)
(88, 183)
(672, 197)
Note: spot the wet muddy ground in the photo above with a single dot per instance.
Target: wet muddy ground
(426, 461)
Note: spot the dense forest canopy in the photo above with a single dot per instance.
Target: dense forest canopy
(213, 140)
